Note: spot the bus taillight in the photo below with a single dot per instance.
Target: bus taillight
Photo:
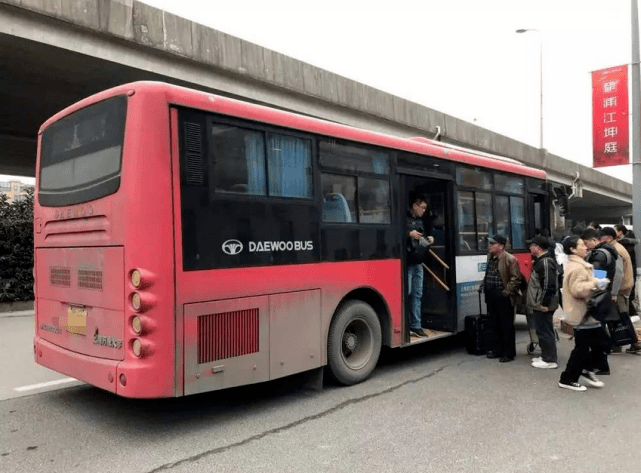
(136, 325)
(141, 303)
(136, 347)
(135, 278)
(135, 301)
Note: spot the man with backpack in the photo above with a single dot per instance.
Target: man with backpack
(543, 299)
(605, 257)
(608, 236)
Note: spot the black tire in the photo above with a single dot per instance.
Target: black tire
(354, 342)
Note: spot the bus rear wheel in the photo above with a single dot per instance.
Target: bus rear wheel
(354, 342)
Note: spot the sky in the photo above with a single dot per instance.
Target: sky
(26, 180)
(460, 57)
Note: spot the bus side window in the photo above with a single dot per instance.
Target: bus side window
(335, 208)
(239, 156)
(339, 198)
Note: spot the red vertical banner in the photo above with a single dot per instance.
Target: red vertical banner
(610, 134)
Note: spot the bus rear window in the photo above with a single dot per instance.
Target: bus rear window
(80, 157)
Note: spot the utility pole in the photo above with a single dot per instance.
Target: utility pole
(636, 126)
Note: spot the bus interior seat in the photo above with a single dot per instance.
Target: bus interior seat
(335, 209)
(240, 188)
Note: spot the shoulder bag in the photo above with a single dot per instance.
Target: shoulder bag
(600, 304)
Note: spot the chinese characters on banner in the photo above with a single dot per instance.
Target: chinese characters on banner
(610, 117)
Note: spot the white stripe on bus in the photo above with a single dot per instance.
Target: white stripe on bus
(45, 385)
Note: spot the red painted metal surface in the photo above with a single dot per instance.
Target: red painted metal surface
(90, 369)
(142, 222)
(525, 264)
(137, 220)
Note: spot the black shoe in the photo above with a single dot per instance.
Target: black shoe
(602, 372)
(635, 349)
(493, 355)
(505, 359)
(418, 332)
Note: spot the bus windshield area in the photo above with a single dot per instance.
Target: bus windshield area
(81, 154)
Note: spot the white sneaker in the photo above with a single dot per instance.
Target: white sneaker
(572, 386)
(544, 365)
(592, 380)
(538, 358)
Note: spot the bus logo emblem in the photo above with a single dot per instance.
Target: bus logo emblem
(232, 247)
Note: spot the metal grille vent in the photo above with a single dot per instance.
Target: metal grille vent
(227, 335)
(194, 154)
(60, 276)
(88, 279)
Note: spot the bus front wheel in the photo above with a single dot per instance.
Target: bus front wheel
(354, 342)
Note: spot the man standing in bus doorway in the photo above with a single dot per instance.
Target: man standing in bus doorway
(417, 247)
(501, 286)
(543, 299)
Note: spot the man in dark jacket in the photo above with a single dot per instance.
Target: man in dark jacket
(417, 246)
(604, 256)
(542, 300)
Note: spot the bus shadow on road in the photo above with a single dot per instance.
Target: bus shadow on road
(160, 416)
(173, 416)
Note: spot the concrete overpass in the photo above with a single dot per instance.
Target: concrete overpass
(55, 52)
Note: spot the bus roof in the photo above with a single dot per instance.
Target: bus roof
(182, 96)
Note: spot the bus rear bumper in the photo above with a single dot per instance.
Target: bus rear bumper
(95, 371)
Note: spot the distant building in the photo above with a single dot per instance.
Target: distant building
(14, 190)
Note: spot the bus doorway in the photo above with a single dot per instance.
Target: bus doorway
(438, 307)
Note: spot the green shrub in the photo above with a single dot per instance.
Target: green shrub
(16, 249)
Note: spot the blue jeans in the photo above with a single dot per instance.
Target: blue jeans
(415, 288)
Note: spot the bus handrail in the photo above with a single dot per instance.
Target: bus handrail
(439, 260)
(436, 278)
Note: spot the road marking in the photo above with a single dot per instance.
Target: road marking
(45, 385)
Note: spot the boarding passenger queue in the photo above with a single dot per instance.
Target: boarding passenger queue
(594, 334)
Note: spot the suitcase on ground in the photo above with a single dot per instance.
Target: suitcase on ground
(478, 334)
(479, 337)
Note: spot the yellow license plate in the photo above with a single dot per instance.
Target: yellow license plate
(77, 320)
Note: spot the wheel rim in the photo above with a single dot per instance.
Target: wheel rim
(357, 344)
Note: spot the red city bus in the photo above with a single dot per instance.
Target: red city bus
(187, 242)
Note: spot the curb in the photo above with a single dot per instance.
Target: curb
(16, 309)
(17, 313)
(16, 306)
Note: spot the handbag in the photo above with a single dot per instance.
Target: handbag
(420, 247)
(620, 334)
(600, 304)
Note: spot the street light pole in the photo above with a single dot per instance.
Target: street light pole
(541, 76)
(636, 123)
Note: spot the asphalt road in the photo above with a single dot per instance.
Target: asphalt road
(430, 408)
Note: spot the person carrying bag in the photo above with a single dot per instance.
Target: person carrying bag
(588, 354)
